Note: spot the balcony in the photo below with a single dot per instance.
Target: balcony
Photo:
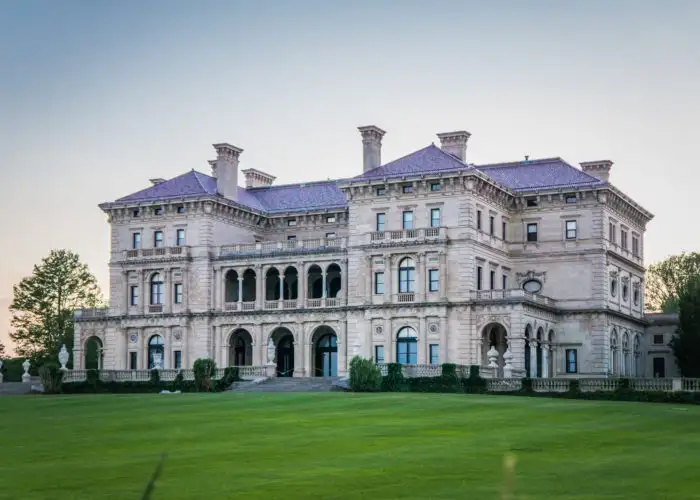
(91, 313)
(316, 245)
(285, 304)
(423, 235)
(514, 294)
(157, 253)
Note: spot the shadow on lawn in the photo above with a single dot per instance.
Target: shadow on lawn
(152, 483)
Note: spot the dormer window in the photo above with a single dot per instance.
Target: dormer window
(435, 186)
(136, 212)
(158, 211)
(571, 198)
(330, 219)
(291, 222)
(181, 209)
(531, 202)
(407, 188)
(381, 191)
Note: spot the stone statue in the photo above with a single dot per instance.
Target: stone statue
(270, 351)
(26, 378)
(157, 361)
(63, 357)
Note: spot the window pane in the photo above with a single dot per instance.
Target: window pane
(379, 283)
(177, 360)
(478, 219)
(435, 217)
(408, 220)
(379, 354)
(381, 222)
(132, 361)
(433, 277)
(434, 354)
(137, 240)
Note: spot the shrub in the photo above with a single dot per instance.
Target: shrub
(365, 375)
(230, 376)
(574, 388)
(204, 369)
(527, 386)
(178, 383)
(475, 384)
(155, 378)
(51, 377)
(93, 378)
(394, 381)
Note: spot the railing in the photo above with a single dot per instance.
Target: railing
(289, 304)
(273, 247)
(428, 233)
(504, 384)
(651, 384)
(423, 370)
(406, 297)
(272, 304)
(691, 384)
(230, 306)
(247, 306)
(594, 384)
(598, 384)
(155, 308)
(314, 302)
(550, 385)
(100, 312)
(178, 251)
(166, 375)
(510, 294)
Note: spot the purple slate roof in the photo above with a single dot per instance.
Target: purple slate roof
(518, 176)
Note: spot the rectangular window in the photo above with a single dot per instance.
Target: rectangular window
(180, 237)
(492, 225)
(291, 237)
(433, 280)
(571, 198)
(379, 283)
(623, 239)
(158, 239)
(381, 222)
(635, 246)
(435, 217)
(330, 219)
(532, 202)
(658, 339)
(532, 232)
(381, 191)
(435, 186)
(503, 231)
(133, 358)
(407, 188)
(478, 220)
(479, 276)
(570, 229)
(492, 279)
(504, 282)
(136, 213)
(136, 240)
(291, 222)
(177, 296)
(158, 211)
(134, 295)
(612, 234)
(330, 236)
(434, 354)
(408, 220)
(181, 209)
(177, 359)
(379, 354)
(571, 361)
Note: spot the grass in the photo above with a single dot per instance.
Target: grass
(337, 445)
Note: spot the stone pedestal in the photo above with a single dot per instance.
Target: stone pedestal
(270, 370)
(26, 378)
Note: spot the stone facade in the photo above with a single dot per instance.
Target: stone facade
(417, 264)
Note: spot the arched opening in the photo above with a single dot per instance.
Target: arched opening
(551, 348)
(538, 357)
(231, 287)
(614, 363)
(407, 346)
(494, 335)
(315, 282)
(333, 281)
(272, 284)
(407, 275)
(638, 371)
(249, 286)
(528, 354)
(625, 355)
(156, 353)
(93, 354)
(291, 284)
(284, 352)
(240, 348)
(157, 289)
(325, 355)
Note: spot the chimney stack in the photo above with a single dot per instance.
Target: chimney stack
(255, 178)
(455, 143)
(227, 170)
(371, 147)
(599, 169)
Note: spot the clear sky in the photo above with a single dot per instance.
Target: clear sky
(98, 97)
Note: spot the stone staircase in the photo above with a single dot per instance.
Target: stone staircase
(14, 388)
(288, 384)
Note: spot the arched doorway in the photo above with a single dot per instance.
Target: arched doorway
(93, 354)
(240, 350)
(407, 346)
(284, 350)
(325, 352)
(494, 335)
(156, 353)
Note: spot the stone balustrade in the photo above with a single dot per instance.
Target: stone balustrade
(422, 235)
(595, 384)
(264, 248)
(166, 375)
(510, 294)
(157, 253)
(97, 312)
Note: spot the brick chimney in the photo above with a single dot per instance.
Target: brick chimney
(371, 146)
(455, 143)
(599, 169)
(227, 170)
(255, 178)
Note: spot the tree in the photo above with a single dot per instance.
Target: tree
(686, 342)
(666, 280)
(2, 350)
(43, 304)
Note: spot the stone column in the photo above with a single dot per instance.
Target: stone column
(240, 289)
(444, 347)
(323, 281)
(545, 361)
(144, 292)
(214, 291)
(281, 286)
(388, 279)
(167, 293)
(301, 277)
(142, 363)
(259, 286)
(443, 275)
(369, 280)
(533, 358)
(305, 348)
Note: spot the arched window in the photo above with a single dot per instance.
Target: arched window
(625, 354)
(333, 280)
(614, 363)
(407, 275)
(156, 353)
(407, 346)
(231, 287)
(93, 354)
(156, 289)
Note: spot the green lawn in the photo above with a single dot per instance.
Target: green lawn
(338, 445)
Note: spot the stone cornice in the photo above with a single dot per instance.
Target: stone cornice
(626, 261)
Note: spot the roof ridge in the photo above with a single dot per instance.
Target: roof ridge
(520, 163)
(199, 181)
(261, 188)
(401, 158)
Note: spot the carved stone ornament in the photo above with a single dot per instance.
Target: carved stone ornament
(614, 274)
(433, 328)
(625, 280)
(378, 330)
(63, 357)
(270, 351)
(177, 334)
(531, 275)
(133, 338)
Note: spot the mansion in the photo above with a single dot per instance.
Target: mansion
(422, 260)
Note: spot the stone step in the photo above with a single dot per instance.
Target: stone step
(288, 384)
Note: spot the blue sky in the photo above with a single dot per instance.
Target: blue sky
(98, 97)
